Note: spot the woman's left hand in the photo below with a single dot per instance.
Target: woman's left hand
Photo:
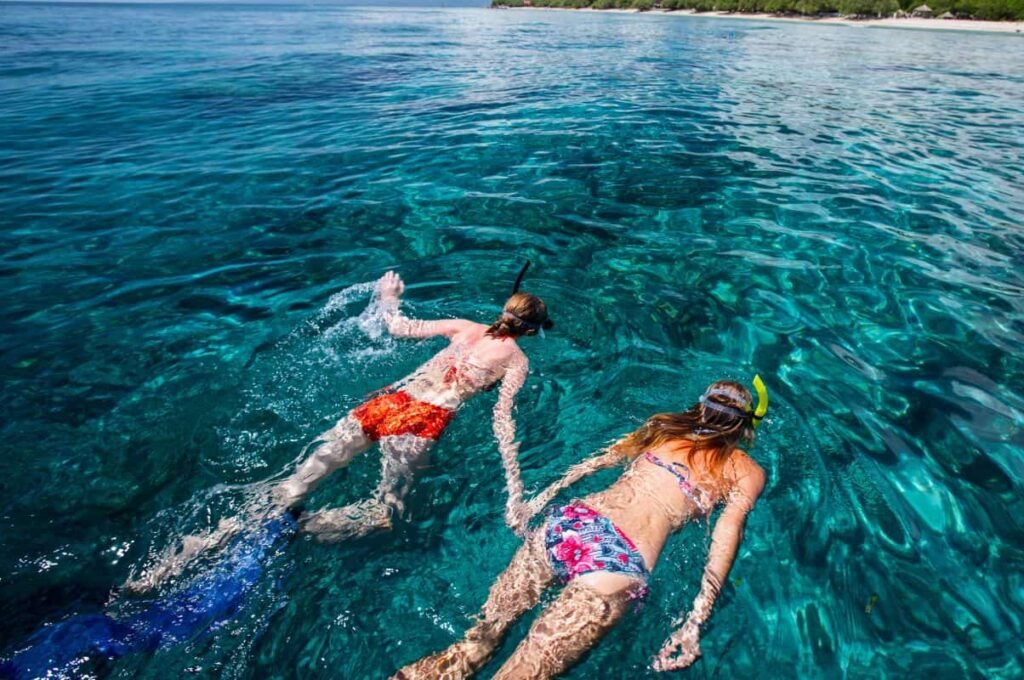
(519, 519)
(680, 650)
(533, 507)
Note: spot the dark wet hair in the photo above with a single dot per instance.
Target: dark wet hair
(722, 419)
(524, 314)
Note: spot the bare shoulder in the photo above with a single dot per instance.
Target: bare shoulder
(744, 472)
(510, 358)
(516, 353)
(470, 330)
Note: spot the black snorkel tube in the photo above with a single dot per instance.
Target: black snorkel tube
(519, 279)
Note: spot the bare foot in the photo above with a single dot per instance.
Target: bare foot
(352, 521)
(174, 561)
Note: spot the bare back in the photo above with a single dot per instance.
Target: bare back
(647, 503)
(471, 363)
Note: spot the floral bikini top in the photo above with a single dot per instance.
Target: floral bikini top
(682, 474)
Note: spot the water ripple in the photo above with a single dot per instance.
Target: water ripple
(194, 199)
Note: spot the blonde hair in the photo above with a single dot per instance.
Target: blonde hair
(713, 432)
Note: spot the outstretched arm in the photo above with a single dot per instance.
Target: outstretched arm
(389, 289)
(518, 512)
(508, 447)
(684, 643)
(610, 457)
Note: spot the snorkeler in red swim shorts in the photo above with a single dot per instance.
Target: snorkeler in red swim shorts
(410, 415)
(406, 419)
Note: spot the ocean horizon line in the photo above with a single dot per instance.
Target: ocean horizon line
(362, 4)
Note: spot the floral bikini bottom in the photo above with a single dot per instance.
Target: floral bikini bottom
(580, 540)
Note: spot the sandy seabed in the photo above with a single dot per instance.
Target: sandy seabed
(910, 22)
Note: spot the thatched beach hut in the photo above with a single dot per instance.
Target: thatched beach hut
(947, 15)
(922, 12)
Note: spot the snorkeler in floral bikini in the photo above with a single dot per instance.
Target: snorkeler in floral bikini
(405, 420)
(603, 547)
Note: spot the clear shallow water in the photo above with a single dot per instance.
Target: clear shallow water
(185, 190)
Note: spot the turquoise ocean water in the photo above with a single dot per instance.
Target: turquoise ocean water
(191, 196)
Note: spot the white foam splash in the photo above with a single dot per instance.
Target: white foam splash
(369, 324)
(346, 296)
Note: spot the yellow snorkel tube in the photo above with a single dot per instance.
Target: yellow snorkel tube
(762, 401)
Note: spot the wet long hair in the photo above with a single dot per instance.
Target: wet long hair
(524, 314)
(713, 432)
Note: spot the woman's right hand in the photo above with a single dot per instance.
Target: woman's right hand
(680, 650)
(390, 285)
(517, 519)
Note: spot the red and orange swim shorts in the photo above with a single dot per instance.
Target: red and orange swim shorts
(397, 413)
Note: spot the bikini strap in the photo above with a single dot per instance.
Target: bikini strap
(685, 485)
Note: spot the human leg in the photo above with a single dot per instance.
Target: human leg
(334, 448)
(172, 562)
(584, 612)
(517, 590)
(401, 457)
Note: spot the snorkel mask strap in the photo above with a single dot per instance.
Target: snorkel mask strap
(528, 324)
(722, 408)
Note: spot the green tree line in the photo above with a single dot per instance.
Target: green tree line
(994, 10)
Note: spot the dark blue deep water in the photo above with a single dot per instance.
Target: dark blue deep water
(185, 191)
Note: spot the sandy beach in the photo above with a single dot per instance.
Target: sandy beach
(1016, 27)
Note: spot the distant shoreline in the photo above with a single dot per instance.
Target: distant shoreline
(909, 22)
